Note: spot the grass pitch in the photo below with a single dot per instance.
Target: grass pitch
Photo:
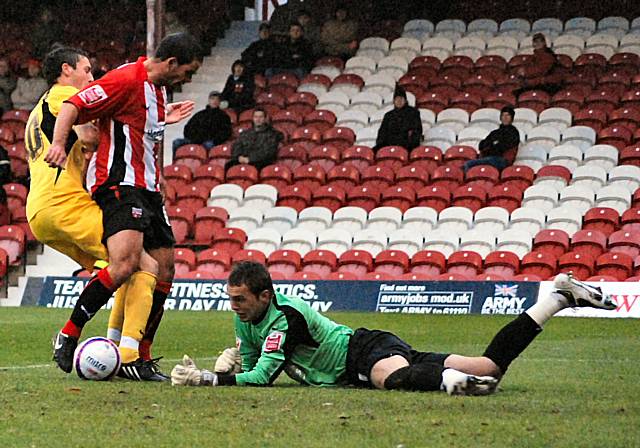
(577, 385)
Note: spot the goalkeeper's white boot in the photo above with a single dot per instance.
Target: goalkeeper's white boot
(455, 382)
(580, 294)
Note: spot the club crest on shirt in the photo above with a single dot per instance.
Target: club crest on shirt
(136, 212)
(273, 342)
(93, 94)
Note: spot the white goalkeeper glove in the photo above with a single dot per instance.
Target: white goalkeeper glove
(229, 361)
(187, 374)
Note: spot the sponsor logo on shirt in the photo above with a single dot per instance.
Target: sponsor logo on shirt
(273, 342)
(136, 212)
(93, 94)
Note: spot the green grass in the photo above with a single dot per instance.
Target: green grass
(577, 385)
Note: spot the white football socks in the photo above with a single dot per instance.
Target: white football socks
(545, 308)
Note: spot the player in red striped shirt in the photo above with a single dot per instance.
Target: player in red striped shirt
(123, 177)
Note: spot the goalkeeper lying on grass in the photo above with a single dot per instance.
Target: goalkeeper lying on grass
(275, 333)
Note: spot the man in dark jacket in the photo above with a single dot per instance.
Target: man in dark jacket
(239, 88)
(261, 54)
(543, 71)
(257, 146)
(499, 147)
(295, 54)
(401, 126)
(209, 127)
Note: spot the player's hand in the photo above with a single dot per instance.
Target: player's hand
(177, 112)
(229, 361)
(89, 135)
(56, 156)
(187, 374)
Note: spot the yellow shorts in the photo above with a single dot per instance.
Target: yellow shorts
(75, 229)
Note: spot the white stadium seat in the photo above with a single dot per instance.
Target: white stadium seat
(454, 118)
(354, 119)
(440, 136)
(406, 240)
(618, 198)
(577, 197)
(491, 219)
(626, 176)
(337, 241)
(516, 241)
(564, 218)
(580, 26)
(472, 136)
(395, 66)
(300, 240)
(351, 219)
(367, 136)
(487, 118)
(260, 196)
(368, 102)
(547, 136)
(245, 218)
(605, 156)
(527, 219)
(540, 196)
(372, 240)
(386, 219)
(336, 102)
(314, 219)
(281, 219)
(478, 241)
(443, 241)
(569, 156)
(455, 219)
(581, 136)
(265, 240)
(419, 219)
(227, 196)
(590, 176)
(558, 117)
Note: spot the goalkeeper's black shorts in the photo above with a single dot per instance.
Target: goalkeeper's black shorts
(367, 347)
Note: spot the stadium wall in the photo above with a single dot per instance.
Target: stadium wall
(368, 296)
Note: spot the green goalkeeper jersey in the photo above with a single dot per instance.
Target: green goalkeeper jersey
(293, 337)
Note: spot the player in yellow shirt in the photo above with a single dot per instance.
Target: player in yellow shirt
(62, 214)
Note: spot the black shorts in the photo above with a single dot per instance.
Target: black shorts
(130, 208)
(367, 347)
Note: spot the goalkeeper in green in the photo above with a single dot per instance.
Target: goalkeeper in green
(275, 333)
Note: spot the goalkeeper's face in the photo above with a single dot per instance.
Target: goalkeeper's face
(245, 304)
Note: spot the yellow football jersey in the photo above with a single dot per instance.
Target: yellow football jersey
(52, 186)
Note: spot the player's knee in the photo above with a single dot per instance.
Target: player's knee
(148, 264)
(123, 267)
(166, 271)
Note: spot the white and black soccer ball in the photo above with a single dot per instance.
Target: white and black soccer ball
(96, 359)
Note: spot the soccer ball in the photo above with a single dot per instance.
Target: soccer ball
(96, 359)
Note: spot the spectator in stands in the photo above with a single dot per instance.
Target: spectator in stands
(401, 126)
(261, 54)
(238, 91)
(311, 32)
(257, 146)
(543, 72)
(284, 15)
(498, 149)
(339, 36)
(29, 90)
(209, 127)
(295, 55)
(7, 85)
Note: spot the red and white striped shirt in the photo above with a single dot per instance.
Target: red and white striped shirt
(131, 113)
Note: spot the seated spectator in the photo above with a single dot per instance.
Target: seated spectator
(209, 127)
(543, 71)
(401, 126)
(295, 54)
(311, 32)
(261, 54)
(284, 14)
(29, 90)
(257, 146)
(238, 91)
(499, 148)
(7, 85)
(339, 36)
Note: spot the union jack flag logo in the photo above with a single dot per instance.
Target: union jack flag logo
(506, 290)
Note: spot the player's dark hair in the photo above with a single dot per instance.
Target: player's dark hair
(292, 24)
(252, 274)
(182, 46)
(52, 66)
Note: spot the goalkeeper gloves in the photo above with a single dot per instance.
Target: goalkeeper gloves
(229, 361)
(187, 374)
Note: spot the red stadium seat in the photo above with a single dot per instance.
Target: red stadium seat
(541, 264)
(364, 197)
(581, 266)
(464, 262)
(527, 278)
(425, 61)
(624, 60)
(447, 177)
(219, 155)
(433, 100)
(491, 61)
(19, 159)
(398, 197)
(377, 276)
(554, 171)
(320, 262)
(393, 157)
(615, 264)
(184, 259)
(484, 176)
(602, 99)
(570, 98)
(7, 136)
(191, 155)
(625, 241)
(192, 196)
(429, 157)
(631, 97)
(519, 176)
(592, 117)
(457, 155)
(293, 156)
(629, 117)
(271, 101)
(552, 241)
(428, 262)
(208, 221)
(415, 82)
(410, 276)
(331, 197)
(305, 276)
(412, 176)
(182, 221)
(243, 175)
(537, 100)
(378, 177)
(360, 157)
(630, 219)
(229, 240)
(506, 196)
(438, 198)
(301, 103)
(278, 176)
(306, 137)
(214, 261)
(469, 100)
(286, 121)
(248, 255)
(484, 277)
(284, 261)
(203, 275)
(603, 219)
(392, 262)
(16, 195)
(349, 79)
(503, 263)
(498, 100)
(454, 277)
(343, 176)
(618, 136)
(628, 156)
(312, 176)
(589, 242)
(342, 276)
(326, 156)
(208, 176)
(357, 262)
(295, 196)
(470, 197)
(320, 119)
